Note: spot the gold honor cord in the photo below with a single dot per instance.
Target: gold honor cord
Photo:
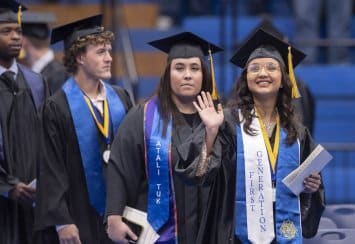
(214, 87)
(103, 129)
(272, 152)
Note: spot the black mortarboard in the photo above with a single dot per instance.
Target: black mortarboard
(36, 24)
(184, 45)
(70, 32)
(10, 11)
(188, 45)
(262, 44)
(253, 48)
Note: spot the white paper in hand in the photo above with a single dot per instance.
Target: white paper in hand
(33, 184)
(315, 162)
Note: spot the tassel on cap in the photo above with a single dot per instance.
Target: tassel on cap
(19, 14)
(214, 86)
(295, 91)
(22, 54)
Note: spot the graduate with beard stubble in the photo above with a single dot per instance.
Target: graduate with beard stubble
(37, 53)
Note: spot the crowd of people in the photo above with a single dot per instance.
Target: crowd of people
(75, 151)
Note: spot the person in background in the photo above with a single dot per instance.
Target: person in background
(38, 55)
(308, 19)
(152, 138)
(22, 93)
(172, 12)
(79, 122)
(258, 144)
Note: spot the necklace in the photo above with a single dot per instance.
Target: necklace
(269, 127)
(269, 124)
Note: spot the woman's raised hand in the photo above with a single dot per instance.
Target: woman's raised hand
(211, 117)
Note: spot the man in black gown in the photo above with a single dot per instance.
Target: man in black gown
(38, 54)
(22, 92)
(79, 121)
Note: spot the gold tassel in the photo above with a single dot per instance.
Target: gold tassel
(295, 92)
(22, 54)
(19, 14)
(214, 87)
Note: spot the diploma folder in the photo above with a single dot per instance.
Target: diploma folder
(148, 234)
(315, 162)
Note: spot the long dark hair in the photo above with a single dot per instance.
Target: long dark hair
(166, 106)
(242, 99)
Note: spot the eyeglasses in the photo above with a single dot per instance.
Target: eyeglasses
(269, 67)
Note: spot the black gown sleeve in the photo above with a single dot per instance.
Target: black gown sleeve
(190, 154)
(126, 171)
(53, 176)
(312, 204)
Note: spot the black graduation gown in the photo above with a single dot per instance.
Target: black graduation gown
(20, 129)
(55, 74)
(62, 191)
(304, 106)
(218, 223)
(127, 181)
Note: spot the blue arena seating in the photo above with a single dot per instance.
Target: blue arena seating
(343, 215)
(327, 223)
(332, 236)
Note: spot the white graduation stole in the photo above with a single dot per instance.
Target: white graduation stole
(258, 187)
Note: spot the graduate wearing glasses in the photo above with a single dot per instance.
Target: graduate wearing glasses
(260, 142)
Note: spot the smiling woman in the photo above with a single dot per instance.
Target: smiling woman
(258, 144)
(264, 78)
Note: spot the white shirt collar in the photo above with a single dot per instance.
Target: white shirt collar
(43, 61)
(12, 68)
(102, 93)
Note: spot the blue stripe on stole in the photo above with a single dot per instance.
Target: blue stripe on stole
(241, 228)
(287, 204)
(157, 148)
(115, 107)
(88, 139)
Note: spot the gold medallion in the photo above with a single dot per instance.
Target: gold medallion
(288, 230)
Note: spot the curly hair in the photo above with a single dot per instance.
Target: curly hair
(242, 99)
(80, 45)
(166, 106)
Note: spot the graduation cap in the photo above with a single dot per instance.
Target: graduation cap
(70, 32)
(37, 24)
(262, 44)
(11, 11)
(188, 45)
